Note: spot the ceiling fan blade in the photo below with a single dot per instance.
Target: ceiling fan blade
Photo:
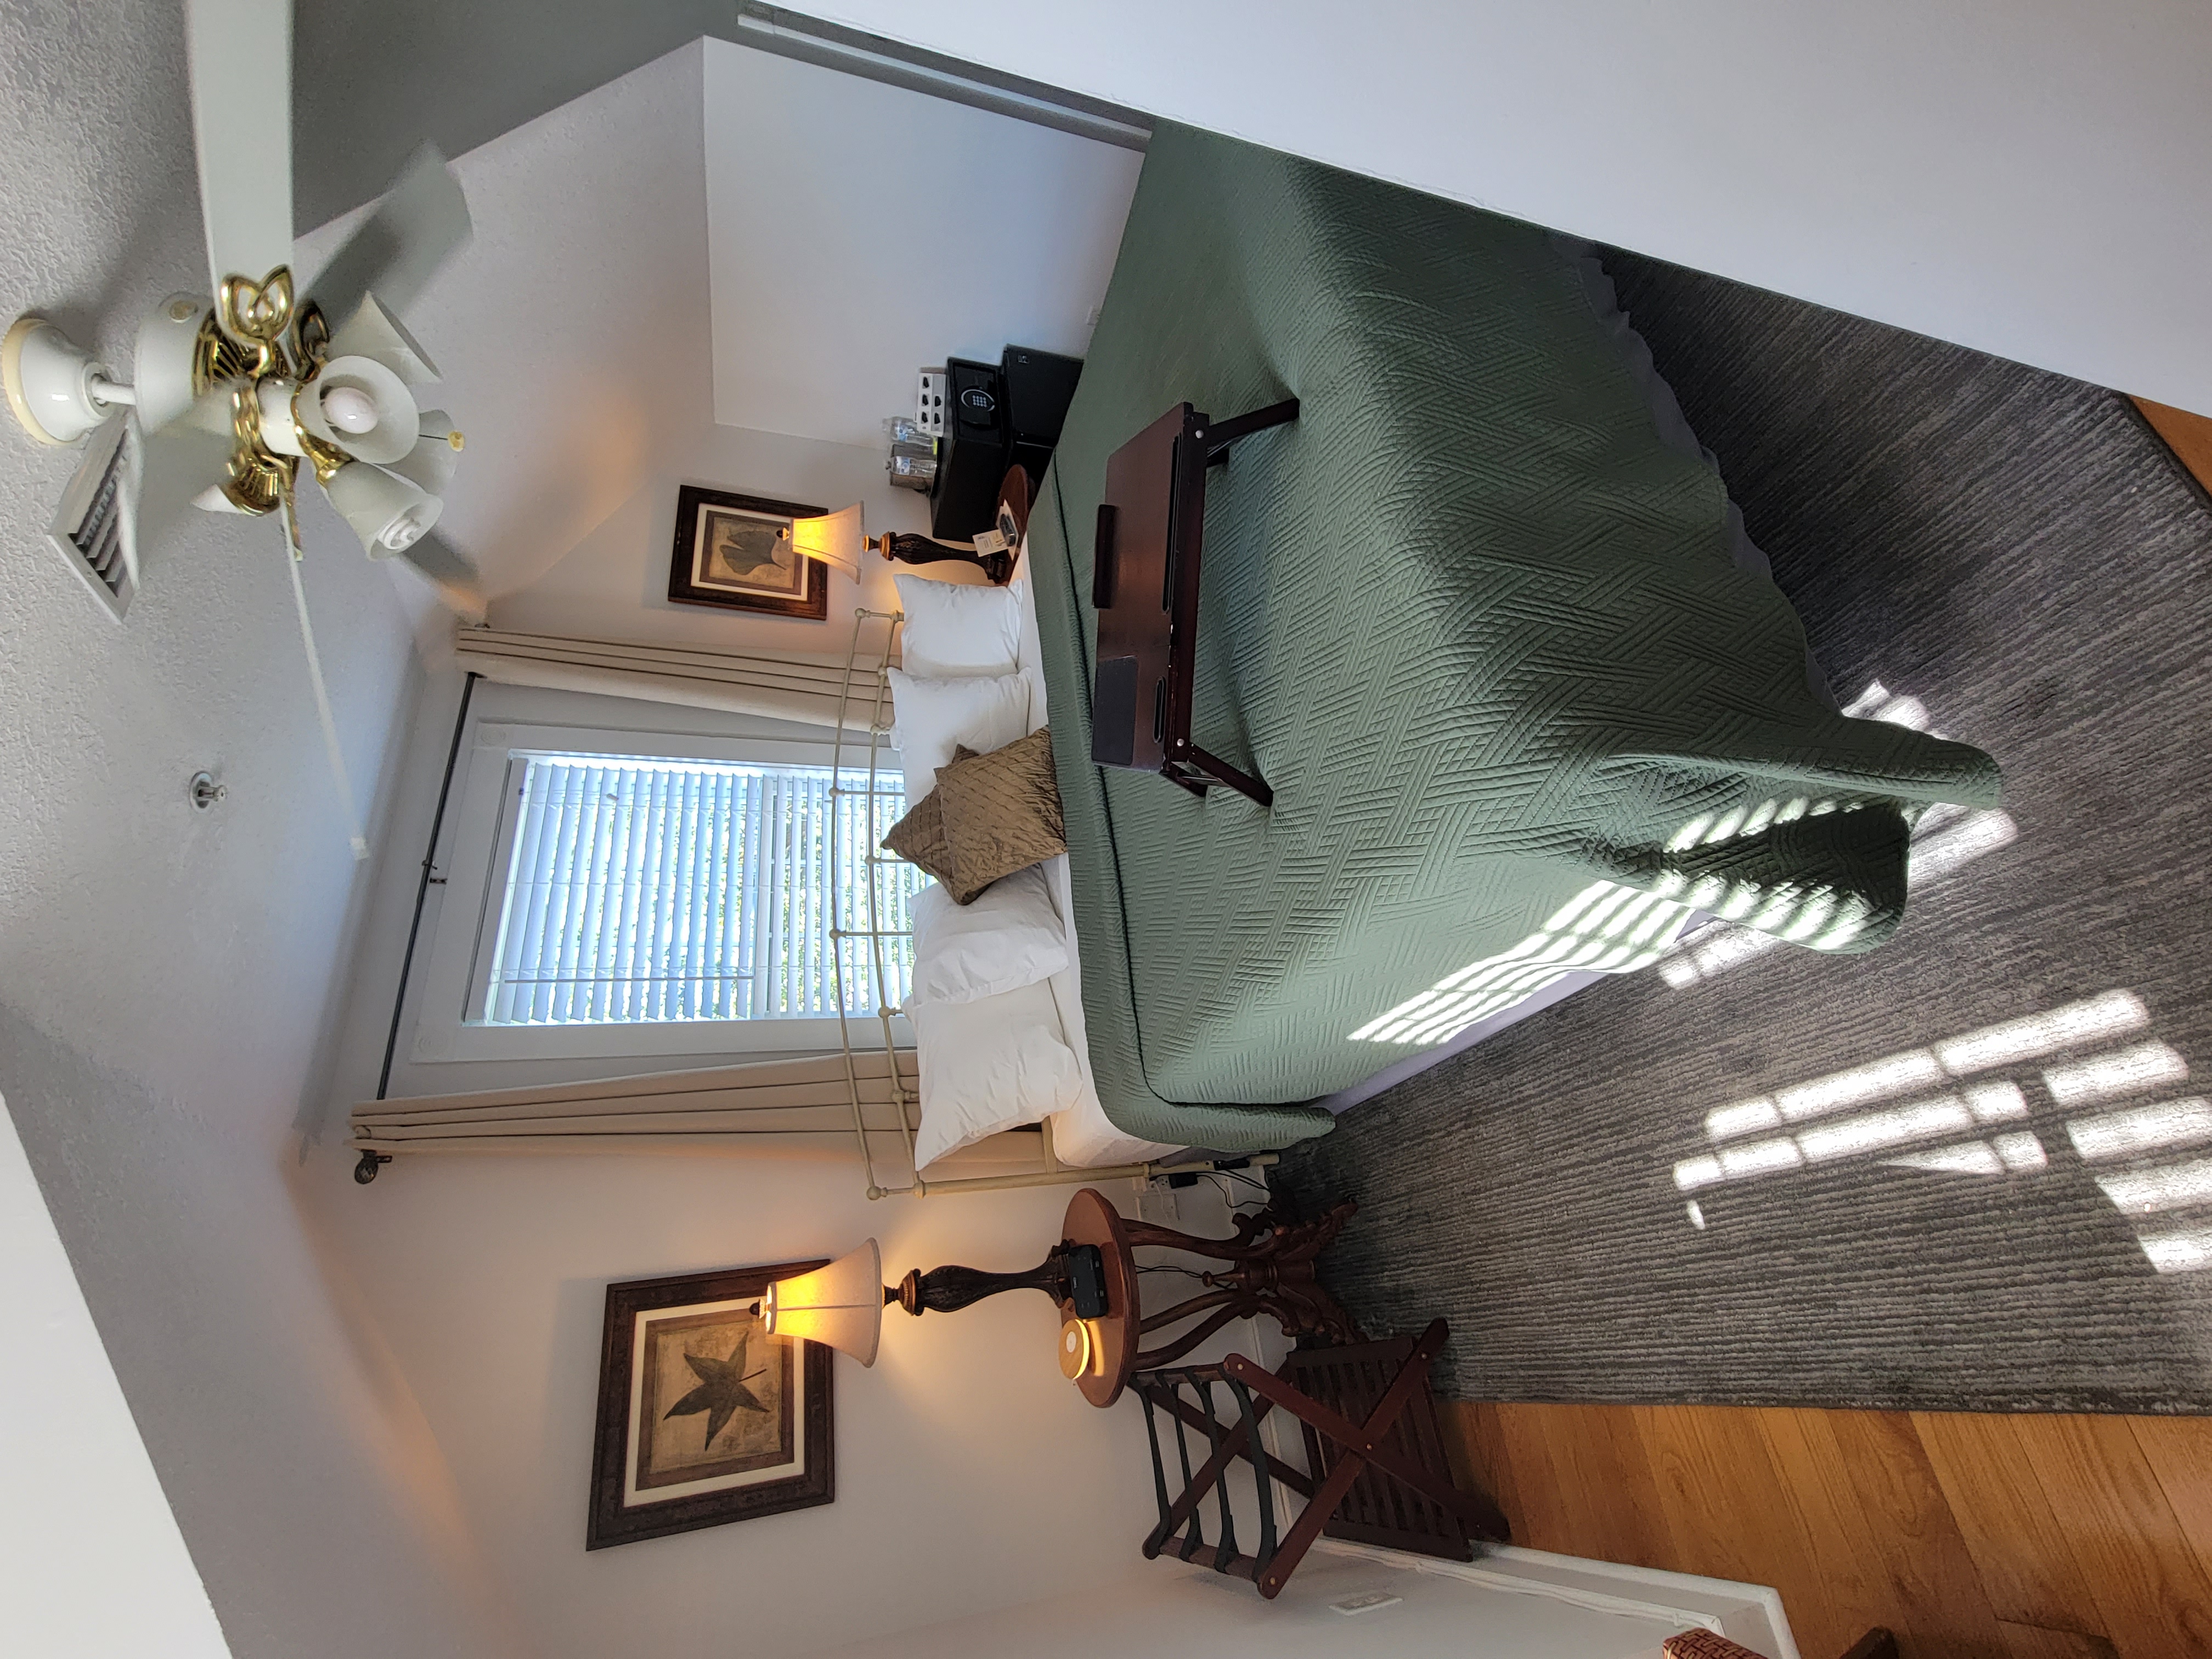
(240, 56)
(423, 222)
(446, 568)
(178, 463)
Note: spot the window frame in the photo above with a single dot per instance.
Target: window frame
(453, 981)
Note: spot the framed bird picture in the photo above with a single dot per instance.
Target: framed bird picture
(736, 551)
(704, 1417)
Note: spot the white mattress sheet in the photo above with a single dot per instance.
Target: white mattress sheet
(1080, 1135)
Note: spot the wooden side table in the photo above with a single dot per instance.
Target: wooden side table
(1144, 586)
(1270, 1261)
(1271, 1271)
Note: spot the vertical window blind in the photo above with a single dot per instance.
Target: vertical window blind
(650, 889)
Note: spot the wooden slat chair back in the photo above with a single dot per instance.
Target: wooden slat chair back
(1379, 1476)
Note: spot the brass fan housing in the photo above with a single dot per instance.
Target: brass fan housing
(256, 332)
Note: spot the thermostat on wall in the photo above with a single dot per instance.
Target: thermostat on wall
(929, 401)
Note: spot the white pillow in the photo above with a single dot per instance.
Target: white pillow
(953, 628)
(1010, 937)
(995, 1063)
(935, 716)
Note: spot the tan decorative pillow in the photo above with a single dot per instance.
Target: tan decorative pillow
(919, 837)
(1000, 812)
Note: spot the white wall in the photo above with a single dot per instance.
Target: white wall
(613, 582)
(858, 231)
(969, 1475)
(2028, 177)
(707, 272)
(165, 972)
(66, 1435)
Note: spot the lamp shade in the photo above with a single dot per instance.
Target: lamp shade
(834, 539)
(841, 1304)
(374, 332)
(429, 465)
(387, 512)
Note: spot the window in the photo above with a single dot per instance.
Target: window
(624, 893)
(685, 890)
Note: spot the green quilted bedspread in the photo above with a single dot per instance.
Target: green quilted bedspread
(1474, 622)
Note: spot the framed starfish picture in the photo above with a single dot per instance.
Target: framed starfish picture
(703, 1418)
(736, 551)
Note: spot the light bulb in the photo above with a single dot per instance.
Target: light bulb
(350, 408)
(404, 532)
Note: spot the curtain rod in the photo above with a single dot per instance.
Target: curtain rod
(365, 1170)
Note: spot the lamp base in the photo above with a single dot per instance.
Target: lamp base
(907, 548)
(1072, 1274)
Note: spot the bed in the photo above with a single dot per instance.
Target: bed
(1484, 621)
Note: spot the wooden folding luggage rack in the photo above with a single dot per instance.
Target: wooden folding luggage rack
(1378, 1469)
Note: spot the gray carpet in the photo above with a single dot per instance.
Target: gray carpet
(2018, 553)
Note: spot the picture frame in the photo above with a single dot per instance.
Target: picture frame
(702, 1419)
(735, 552)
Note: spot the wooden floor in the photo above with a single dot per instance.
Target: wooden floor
(2189, 437)
(1971, 1536)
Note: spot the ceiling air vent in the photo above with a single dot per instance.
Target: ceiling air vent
(88, 530)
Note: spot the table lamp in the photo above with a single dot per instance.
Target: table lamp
(843, 1305)
(837, 539)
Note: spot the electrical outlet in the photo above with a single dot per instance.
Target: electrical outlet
(1157, 1204)
(929, 401)
(1366, 1602)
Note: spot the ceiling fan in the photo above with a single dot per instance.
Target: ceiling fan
(235, 392)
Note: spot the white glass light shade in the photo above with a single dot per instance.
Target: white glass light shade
(833, 539)
(373, 331)
(387, 512)
(393, 430)
(430, 465)
(841, 1304)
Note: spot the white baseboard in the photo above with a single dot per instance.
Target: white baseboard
(1749, 1614)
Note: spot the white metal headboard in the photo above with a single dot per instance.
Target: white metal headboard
(1049, 1170)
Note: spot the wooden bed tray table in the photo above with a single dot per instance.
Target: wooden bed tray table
(1144, 586)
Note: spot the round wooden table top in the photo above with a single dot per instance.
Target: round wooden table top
(1091, 1220)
